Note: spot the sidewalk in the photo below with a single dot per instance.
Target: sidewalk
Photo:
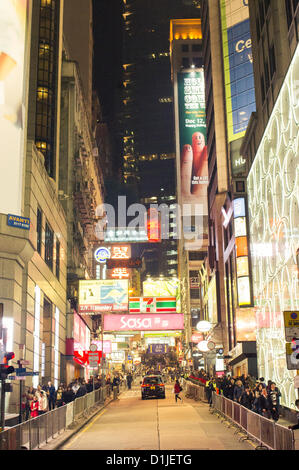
(282, 422)
(62, 438)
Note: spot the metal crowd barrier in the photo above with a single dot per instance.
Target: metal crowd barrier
(266, 432)
(37, 431)
(197, 392)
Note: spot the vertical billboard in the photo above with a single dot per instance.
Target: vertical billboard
(238, 68)
(13, 19)
(193, 154)
(97, 296)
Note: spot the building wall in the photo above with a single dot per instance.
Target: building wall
(274, 219)
(80, 46)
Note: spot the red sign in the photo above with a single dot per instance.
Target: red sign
(144, 322)
(124, 263)
(153, 226)
(120, 273)
(86, 357)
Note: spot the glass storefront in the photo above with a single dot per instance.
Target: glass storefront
(273, 190)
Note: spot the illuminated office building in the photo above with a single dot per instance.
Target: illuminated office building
(271, 147)
(33, 262)
(146, 118)
(190, 120)
(230, 100)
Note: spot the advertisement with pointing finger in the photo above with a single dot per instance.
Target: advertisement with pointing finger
(194, 177)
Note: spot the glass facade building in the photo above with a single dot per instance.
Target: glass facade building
(273, 191)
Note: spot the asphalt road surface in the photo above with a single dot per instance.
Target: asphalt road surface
(155, 424)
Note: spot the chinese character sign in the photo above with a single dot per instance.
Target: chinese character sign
(120, 252)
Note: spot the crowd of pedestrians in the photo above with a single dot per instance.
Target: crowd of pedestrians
(253, 394)
(40, 400)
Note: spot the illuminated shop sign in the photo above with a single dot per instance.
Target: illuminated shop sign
(147, 322)
(120, 273)
(157, 349)
(91, 358)
(167, 287)
(242, 262)
(152, 304)
(126, 235)
(120, 252)
(132, 263)
(238, 68)
(102, 254)
(153, 226)
(96, 296)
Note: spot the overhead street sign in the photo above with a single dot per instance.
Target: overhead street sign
(291, 324)
(292, 355)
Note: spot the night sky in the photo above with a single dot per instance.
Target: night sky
(107, 53)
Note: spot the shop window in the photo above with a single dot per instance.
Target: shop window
(49, 245)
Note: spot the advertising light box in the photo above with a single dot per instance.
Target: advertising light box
(13, 16)
(238, 68)
(194, 175)
(143, 322)
(96, 296)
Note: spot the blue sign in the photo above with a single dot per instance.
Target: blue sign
(238, 66)
(102, 254)
(20, 371)
(239, 208)
(158, 349)
(18, 222)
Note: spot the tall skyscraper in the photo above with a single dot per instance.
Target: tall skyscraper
(146, 118)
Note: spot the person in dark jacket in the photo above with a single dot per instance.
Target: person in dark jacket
(129, 380)
(247, 398)
(260, 403)
(51, 394)
(230, 389)
(68, 395)
(238, 390)
(82, 390)
(273, 401)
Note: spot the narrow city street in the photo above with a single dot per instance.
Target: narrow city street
(156, 424)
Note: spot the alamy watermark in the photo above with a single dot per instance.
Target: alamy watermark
(172, 221)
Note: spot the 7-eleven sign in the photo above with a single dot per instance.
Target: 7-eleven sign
(152, 304)
(142, 305)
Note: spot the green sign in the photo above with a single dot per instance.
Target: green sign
(194, 171)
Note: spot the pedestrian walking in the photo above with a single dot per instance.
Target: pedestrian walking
(177, 390)
(129, 381)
